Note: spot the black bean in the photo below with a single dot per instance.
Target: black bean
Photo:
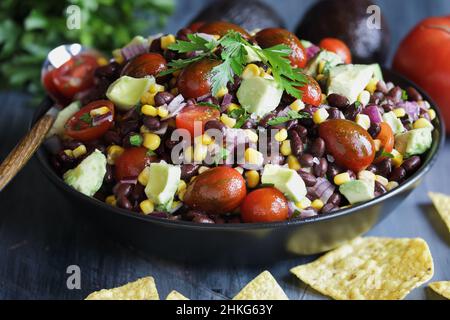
(372, 168)
(112, 137)
(395, 94)
(71, 144)
(384, 167)
(152, 123)
(376, 97)
(413, 94)
(338, 101)
(122, 189)
(329, 207)
(162, 98)
(308, 178)
(317, 148)
(291, 124)
(124, 203)
(248, 124)
(190, 214)
(138, 192)
(188, 170)
(387, 107)
(374, 130)
(155, 46)
(215, 124)
(109, 175)
(320, 169)
(264, 122)
(398, 174)
(301, 130)
(296, 143)
(380, 188)
(306, 160)
(352, 111)
(183, 33)
(382, 87)
(412, 164)
(334, 113)
(335, 199)
(202, 219)
(333, 170)
(128, 126)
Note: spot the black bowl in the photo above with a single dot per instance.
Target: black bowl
(247, 243)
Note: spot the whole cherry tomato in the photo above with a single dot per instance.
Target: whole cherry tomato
(221, 28)
(188, 117)
(350, 145)
(131, 162)
(193, 81)
(273, 36)
(264, 205)
(147, 64)
(83, 127)
(423, 57)
(337, 46)
(216, 191)
(311, 92)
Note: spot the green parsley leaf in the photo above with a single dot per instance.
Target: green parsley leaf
(208, 104)
(290, 116)
(195, 43)
(86, 117)
(404, 95)
(151, 153)
(386, 154)
(136, 140)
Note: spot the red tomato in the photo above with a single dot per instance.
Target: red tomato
(264, 205)
(350, 145)
(311, 92)
(74, 76)
(273, 36)
(187, 118)
(80, 126)
(386, 136)
(423, 57)
(337, 46)
(221, 28)
(147, 64)
(195, 26)
(193, 81)
(131, 163)
(216, 191)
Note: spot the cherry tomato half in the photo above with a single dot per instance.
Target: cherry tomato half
(311, 92)
(83, 127)
(193, 81)
(350, 145)
(387, 139)
(273, 36)
(147, 64)
(131, 162)
(337, 46)
(264, 205)
(191, 115)
(221, 28)
(216, 191)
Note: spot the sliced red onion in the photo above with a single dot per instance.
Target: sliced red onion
(163, 128)
(53, 144)
(311, 51)
(107, 117)
(128, 180)
(284, 112)
(307, 213)
(226, 101)
(175, 106)
(373, 113)
(323, 189)
(207, 37)
(133, 50)
(204, 97)
(412, 109)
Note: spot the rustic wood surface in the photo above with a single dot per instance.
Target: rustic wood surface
(41, 233)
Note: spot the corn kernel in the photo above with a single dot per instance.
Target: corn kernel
(341, 178)
(422, 123)
(303, 203)
(251, 71)
(221, 92)
(117, 55)
(148, 98)
(321, 66)
(144, 176)
(192, 179)
(391, 185)
(79, 151)
(233, 106)
(363, 120)
(151, 141)
(297, 105)
(228, 121)
(69, 153)
(155, 88)
(372, 85)
(206, 139)
(285, 148)
(320, 115)
(111, 200)
(293, 163)
(181, 194)
(281, 135)
(317, 204)
(252, 178)
(397, 159)
(253, 156)
(147, 206)
(149, 110)
(99, 111)
(144, 129)
(381, 180)
(113, 152)
(432, 114)
(251, 135)
(166, 41)
(364, 97)
(377, 144)
(323, 99)
(200, 152)
(189, 154)
(399, 112)
(366, 175)
(163, 112)
(202, 169)
(320, 77)
(182, 185)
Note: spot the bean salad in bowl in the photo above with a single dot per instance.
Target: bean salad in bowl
(217, 124)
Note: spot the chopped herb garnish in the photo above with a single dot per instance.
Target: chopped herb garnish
(295, 214)
(290, 116)
(386, 154)
(208, 104)
(221, 155)
(241, 115)
(136, 140)
(404, 95)
(151, 153)
(86, 117)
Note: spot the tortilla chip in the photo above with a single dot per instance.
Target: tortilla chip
(263, 287)
(442, 204)
(442, 288)
(175, 295)
(141, 289)
(370, 269)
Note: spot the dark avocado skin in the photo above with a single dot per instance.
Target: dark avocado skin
(249, 14)
(346, 20)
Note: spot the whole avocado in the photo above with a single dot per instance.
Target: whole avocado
(347, 21)
(249, 14)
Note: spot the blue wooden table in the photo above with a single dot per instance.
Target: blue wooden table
(41, 233)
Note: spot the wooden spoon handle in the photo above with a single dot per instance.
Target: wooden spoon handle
(23, 151)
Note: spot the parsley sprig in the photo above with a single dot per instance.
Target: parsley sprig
(291, 115)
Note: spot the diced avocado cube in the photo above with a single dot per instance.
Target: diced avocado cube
(63, 116)
(286, 180)
(357, 191)
(259, 95)
(377, 73)
(395, 123)
(162, 183)
(88, 176)
(126, 92)
(252, 56)
(413, 142)
(330, 58)
(349, 80)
